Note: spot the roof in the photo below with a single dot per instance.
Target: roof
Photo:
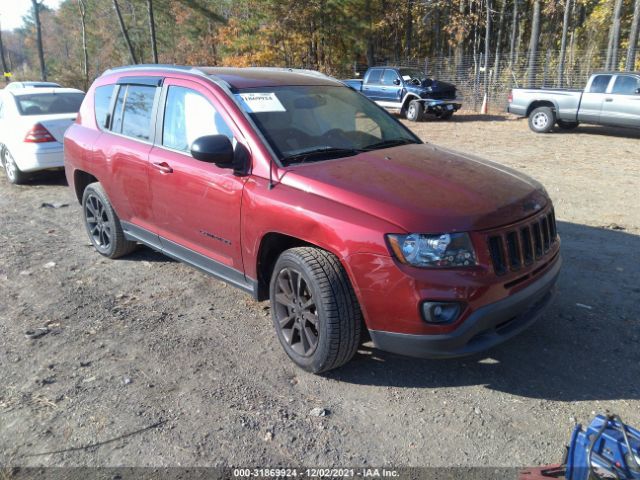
(249, 77)
(40, 90)
(614, 72)
(28, 84)
(239, 78)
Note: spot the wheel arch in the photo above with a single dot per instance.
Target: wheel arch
(541, 103)
(408, 98)
(81, 180)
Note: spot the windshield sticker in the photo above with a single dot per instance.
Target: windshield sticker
(261, 102)
(406, 77)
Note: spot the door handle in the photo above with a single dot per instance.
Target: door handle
(608, 99)
(162, 166)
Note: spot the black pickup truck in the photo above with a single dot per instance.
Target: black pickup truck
(408, 91)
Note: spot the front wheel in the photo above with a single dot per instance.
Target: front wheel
(542, 120)
(414, 111)
(103, 225)
(314, 309)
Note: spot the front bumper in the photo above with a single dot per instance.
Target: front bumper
(484, 328)
(440, 106)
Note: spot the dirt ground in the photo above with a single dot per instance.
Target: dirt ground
(147, 362)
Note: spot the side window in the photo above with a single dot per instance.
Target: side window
(138, 106)
(626, 85)
(389, 76)
(599, 84)
(187, 116)
(375, 76)
(102, 102)
(116, 124)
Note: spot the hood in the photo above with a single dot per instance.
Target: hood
(424, 188)
(438, 86)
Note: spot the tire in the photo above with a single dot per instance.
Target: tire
(564, 125)
(414, 111)
(542, 120)
(103, 225)
(318, 321)
(14, 174)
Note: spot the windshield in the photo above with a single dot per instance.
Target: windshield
(311, 123)
(49, 103)
(411, 73)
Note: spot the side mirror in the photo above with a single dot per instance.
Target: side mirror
(396, 81)
(213, 149)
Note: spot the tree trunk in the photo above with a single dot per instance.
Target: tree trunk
(496, 61)
(611, 62)
(82, 8)
(563, 42)
(125, 35)
(4, 62)
(152, 32)
(533, 44)
(514, 36)
(487, 51)
(36, 17)
(633, 38)
(408, 29)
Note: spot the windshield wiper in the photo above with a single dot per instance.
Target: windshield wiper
(389, 143)
(321, 153)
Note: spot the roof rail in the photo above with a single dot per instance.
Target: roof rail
(302, 71)
(155, 66)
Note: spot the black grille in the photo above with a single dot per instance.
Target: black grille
(513, 249)
(449, 94)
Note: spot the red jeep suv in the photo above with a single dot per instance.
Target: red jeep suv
(295, 188)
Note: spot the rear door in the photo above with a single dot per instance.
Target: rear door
(593, 98)
(622, 105)
(372, 86)
(196, 205)
(123, 148)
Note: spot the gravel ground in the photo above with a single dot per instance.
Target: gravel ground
(147, 362)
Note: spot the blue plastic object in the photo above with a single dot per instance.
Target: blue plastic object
(607, 448)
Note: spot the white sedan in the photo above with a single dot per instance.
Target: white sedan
(32, 126)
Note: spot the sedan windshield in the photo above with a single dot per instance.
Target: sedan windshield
(312, 123)
(49, 103)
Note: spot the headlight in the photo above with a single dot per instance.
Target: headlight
(439, 251)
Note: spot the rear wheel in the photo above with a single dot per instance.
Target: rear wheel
(542, 120)
(564, 125)
(414, 111)
(14, 174)
(315, 311)
(103, 225)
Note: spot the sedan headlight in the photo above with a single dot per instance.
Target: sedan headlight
(435, 251)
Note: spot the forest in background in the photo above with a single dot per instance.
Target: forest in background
(473, 38)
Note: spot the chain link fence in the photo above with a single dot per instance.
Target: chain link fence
(474, 81)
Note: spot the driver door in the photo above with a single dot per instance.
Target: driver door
(196, 205)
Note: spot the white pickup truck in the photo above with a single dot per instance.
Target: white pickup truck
(610, 98)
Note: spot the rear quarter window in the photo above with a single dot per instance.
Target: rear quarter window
(102, 105)
(600, 83)
(375, 76)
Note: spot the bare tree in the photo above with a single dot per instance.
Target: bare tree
(487, 50)
(4, 62)
(611, 61)
(633, 38)
(496, 61)
(123, 29)
(563, 41)
(514, 36)
(533, 44)
(152, 32)
(82, 10)
(36, 18)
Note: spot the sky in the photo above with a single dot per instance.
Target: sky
(12, 11)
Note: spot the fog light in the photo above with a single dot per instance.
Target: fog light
(440, 312)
